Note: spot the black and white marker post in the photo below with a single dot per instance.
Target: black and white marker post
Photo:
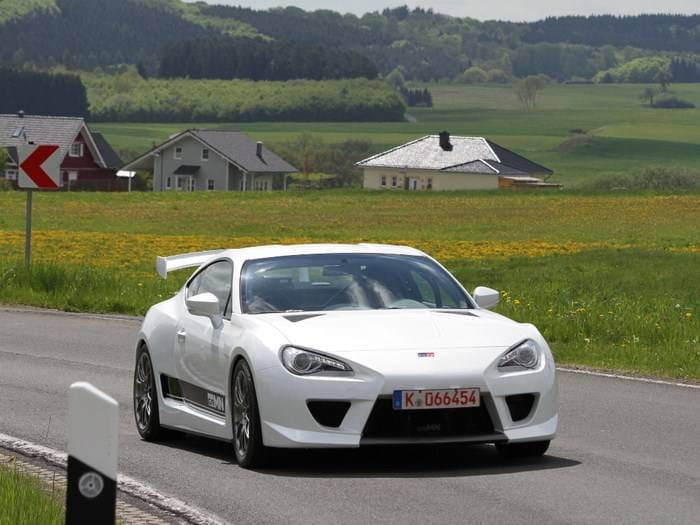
(93, 420)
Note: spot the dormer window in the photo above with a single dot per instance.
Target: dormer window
(178, 152)
(76, 149)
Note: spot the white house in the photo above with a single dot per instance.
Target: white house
(440, 162)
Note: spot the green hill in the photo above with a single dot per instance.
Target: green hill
(420, 44)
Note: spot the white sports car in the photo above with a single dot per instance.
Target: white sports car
(334, 345)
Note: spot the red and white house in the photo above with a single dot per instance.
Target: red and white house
(89, 162)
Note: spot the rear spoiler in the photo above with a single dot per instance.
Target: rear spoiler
(165, 265)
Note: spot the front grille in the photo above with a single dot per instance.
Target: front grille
(328, 413)
(385, 422)
(520, 405)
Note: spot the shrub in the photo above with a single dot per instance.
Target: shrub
(673, 103)
(498, 76)
(652, 178)
(473, 75)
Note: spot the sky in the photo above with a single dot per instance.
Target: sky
(515, 10)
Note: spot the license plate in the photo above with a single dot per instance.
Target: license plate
(422, 399)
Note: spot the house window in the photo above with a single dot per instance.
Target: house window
(178, 152)
(210, 184)
(394, 180)
(11, 174)
(383, 180)
(430, 184)
(205, 154)
(168, 183)
(76, 149)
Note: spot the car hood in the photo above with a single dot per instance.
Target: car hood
(352, 331)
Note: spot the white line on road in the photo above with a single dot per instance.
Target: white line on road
(125, 483)
(627, 378)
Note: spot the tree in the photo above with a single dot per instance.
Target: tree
(396, 78)
(664, 78)
(648, 94)
(528, 88)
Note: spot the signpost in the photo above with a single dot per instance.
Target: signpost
(93, 428)
(39, 169)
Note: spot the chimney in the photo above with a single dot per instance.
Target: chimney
(258, 149)
(445, 141)
(20, 113)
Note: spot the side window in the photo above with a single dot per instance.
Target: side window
(217, 278)
(193, 287)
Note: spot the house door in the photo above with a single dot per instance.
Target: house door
(413, 184)
(184, 183)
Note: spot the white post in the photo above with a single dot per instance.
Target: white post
(93, 427)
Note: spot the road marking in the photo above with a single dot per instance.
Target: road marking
(124, 483)
(628, 378)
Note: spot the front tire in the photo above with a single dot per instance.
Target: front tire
(247, 435)
(146, 400)
(529, 449)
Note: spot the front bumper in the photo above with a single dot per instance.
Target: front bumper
(287, 422)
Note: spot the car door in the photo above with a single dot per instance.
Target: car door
(202, 350)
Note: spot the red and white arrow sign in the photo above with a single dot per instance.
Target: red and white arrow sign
(39, 167)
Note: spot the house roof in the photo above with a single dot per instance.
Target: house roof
(110, 156)
(17, 130)
(235, 146)
(185, 169)
(468, 155)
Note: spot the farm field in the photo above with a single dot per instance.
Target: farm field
(610, 279)
(580, 131)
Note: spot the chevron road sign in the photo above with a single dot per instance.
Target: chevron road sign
(39, 167)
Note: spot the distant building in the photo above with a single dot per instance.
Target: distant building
(440, 162)
(200, 160)
(89, 162)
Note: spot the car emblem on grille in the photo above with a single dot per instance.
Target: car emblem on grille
(426, 354)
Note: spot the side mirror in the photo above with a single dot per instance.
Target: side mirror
(486, 298)
(205, 305)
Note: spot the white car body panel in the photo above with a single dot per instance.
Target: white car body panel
(381, 347)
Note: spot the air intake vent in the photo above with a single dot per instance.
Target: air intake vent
(328, 413)
(520, 405)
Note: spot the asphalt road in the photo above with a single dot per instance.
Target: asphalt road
(627, 452)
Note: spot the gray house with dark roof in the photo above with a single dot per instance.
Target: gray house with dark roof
(200, 160)
(441, 162)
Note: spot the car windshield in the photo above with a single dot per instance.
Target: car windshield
(301, 283)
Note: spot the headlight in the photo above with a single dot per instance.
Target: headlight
(304, 362)
(525, 355)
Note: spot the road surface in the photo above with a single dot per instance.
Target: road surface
(627, 452)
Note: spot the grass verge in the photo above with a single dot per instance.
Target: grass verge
(25, 501)
(631, 310)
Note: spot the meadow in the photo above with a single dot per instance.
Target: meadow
(610, 279)
(580, 131)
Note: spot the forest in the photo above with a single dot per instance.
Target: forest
(425, 45)
(258, 59)
(660, 32)
(42, 93)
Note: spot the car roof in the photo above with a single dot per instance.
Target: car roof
(281, 250)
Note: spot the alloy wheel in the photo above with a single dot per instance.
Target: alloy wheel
(143, 392)
(241, 410)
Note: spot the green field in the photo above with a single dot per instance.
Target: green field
(610, 279)
(620, 134)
